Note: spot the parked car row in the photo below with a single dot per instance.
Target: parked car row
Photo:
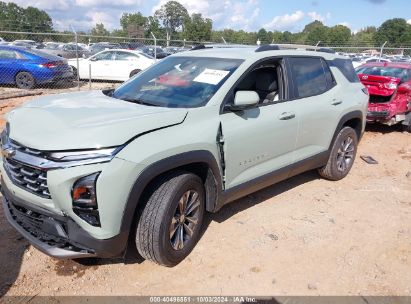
(29, 67)
(70, 50)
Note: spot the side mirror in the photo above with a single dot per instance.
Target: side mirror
(93, 59)
(244, 100)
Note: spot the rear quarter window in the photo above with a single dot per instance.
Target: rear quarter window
(346, 68)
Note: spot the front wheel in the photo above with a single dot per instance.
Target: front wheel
(170, 224)
(342, 155)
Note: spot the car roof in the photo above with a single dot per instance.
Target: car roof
(122, 50)
(13, 47)
(402, 65)
(250, 53)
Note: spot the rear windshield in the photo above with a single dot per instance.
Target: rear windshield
(43, 55)
(401, 73)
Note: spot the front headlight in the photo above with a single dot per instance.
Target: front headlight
(102, 154)
(85, 199)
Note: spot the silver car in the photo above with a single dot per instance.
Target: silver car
(65, 50)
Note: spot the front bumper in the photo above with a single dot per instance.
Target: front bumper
(56, 235)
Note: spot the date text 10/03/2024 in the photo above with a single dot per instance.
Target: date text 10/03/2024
(203, 299)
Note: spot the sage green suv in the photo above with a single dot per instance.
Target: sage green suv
(86, 174)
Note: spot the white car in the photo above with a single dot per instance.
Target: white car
(114, 64)
(356, 64)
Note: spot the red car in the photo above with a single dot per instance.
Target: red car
(389, 86)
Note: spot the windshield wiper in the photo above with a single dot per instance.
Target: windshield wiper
(140, 101)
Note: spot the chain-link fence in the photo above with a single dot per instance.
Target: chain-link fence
(46, 63)
(37, 63)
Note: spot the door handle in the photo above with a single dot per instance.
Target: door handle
(286, 116)
(336, 102)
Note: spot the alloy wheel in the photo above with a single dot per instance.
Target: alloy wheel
(185, 219)
(345, 154)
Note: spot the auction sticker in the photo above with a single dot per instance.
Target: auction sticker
(211, 76)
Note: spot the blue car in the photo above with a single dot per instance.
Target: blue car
(27, 68)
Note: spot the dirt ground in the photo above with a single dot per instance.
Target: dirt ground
(304, 236)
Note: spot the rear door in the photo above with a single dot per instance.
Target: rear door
(317, 102)
(125, 63)
(102, 65)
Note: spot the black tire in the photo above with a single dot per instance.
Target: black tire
(74, 72)
(342, 156)
(161, 215)
(134, 72)
(406, 128)
(24, 80)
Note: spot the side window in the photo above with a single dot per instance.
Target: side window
(126, 56)
(6, 54)
(69, 47)
(308, 76)
(104, 56)
(265, 79)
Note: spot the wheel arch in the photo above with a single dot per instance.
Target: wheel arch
(201, 163)
(352, 119)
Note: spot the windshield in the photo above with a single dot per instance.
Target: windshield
(401, 73)
(178, 82)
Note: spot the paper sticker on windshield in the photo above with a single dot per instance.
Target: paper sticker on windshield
(211, 76)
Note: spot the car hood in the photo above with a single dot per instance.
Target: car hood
(85, 120)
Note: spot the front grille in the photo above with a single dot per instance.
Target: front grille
(24, 149)
(33, 223)
(44, 228)
(28, 178)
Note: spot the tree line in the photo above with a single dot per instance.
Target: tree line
(172, 21)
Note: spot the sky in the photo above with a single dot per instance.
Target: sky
(248, 15)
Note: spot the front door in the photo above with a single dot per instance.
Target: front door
(260, 140)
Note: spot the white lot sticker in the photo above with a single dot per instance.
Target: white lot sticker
(211, 76)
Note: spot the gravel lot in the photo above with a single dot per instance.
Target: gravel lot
(304, 236)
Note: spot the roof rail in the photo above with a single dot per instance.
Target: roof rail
(198, 47)
(326, 50)
(267, 47)
(272, 47)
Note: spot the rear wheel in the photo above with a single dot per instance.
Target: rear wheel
(342, 155)
(406, 124)
(74, 72)
(134, 72)
(407, 128)
(170, 224)
(24, 80)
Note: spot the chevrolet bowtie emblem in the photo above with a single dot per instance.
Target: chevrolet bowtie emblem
(8, 152)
